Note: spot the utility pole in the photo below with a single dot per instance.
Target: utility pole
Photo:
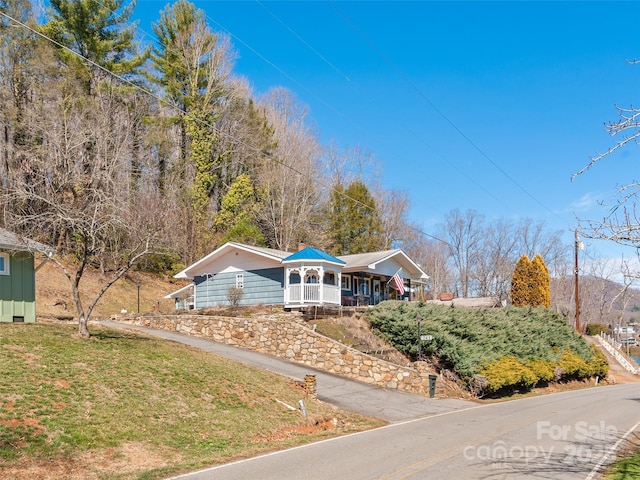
(138, 283)
(578, 246)
(419, 320)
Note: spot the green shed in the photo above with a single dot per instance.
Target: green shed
(18, 276)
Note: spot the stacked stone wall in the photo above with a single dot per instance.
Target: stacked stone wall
(293, 340)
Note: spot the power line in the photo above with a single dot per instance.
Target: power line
(187, 114)
(371, 100)
(437, 110)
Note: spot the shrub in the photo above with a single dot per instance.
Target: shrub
(599, 365)
(508, 372)
(469, 341)
(573, 366)
(234, 295)
(597, 328)
(543, 369)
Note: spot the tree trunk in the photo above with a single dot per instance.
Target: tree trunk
(83, 331)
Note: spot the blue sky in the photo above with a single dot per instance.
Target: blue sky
(490, 106)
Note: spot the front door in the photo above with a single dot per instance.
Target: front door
(376, 292)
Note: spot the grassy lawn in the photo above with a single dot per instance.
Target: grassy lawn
(124, 405)
(627, 465)
(625, 469)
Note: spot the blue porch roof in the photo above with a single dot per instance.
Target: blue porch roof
(310, 253)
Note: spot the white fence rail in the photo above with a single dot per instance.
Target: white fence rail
(613, 347)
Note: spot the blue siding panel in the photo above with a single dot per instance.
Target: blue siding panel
(261, 287)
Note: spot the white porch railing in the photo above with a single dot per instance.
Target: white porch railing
(311, 294)
(612, 347)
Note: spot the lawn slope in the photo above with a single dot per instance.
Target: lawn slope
(124, 405)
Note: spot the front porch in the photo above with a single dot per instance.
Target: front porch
(312, 278)
(311, 294)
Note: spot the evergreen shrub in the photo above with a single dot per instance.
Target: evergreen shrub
(533, 342)
(508, 372)
(597, 328)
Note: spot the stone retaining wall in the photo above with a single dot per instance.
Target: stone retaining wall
(296, 342)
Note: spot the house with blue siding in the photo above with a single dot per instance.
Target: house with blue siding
(18, 276)
(308, 277)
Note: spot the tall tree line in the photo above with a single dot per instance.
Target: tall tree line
(112, 150)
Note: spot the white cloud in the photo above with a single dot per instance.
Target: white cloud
(584, 203)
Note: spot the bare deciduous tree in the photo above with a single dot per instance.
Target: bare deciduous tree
(621, 224)
(463, 233)
(394, 210)
(77, 192)
(286, 176)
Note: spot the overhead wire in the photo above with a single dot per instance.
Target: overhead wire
(420, 93)
(186, 113)
(421, 139)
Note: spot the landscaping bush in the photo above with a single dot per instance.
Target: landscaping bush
(535, 343)
(599, 365)
(597, 328)
(509, 372)
(544, 370)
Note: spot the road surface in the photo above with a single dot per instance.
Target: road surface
(563, 436)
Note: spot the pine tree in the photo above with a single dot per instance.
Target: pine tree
(521, 282)
(355, 225)
(101, 33)
(540, 295)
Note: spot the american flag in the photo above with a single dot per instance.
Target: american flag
(399, 283)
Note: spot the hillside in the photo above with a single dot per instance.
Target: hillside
(126, 406)
(54, 298)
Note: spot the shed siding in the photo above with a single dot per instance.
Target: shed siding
(261, 287)
(18, 289)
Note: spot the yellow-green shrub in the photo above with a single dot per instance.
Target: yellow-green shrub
(599, 365)
(597, 328)
(508, 372)
(573, 365)
(544, 370)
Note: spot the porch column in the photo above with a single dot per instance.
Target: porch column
(287, 272)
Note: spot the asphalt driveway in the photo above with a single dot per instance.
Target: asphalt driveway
(383, 403)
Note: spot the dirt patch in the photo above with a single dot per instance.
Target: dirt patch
(355, 332)
(314, 426)
(125, 461)
(55, 299)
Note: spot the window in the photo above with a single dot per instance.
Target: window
(239, 280)
(329, 278)
(346, 283)
(4, 264)
(362, 286)
(365, 285)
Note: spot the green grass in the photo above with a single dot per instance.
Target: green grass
(64, 397)
(627, 468)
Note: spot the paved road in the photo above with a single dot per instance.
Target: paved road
(564, 436)
(386, 404)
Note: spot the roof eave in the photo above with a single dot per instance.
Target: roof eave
(186, 273)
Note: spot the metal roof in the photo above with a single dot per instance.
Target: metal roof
(369, 261)
(310, 253)
(361, 261)
(271, 253)
(13, 241)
